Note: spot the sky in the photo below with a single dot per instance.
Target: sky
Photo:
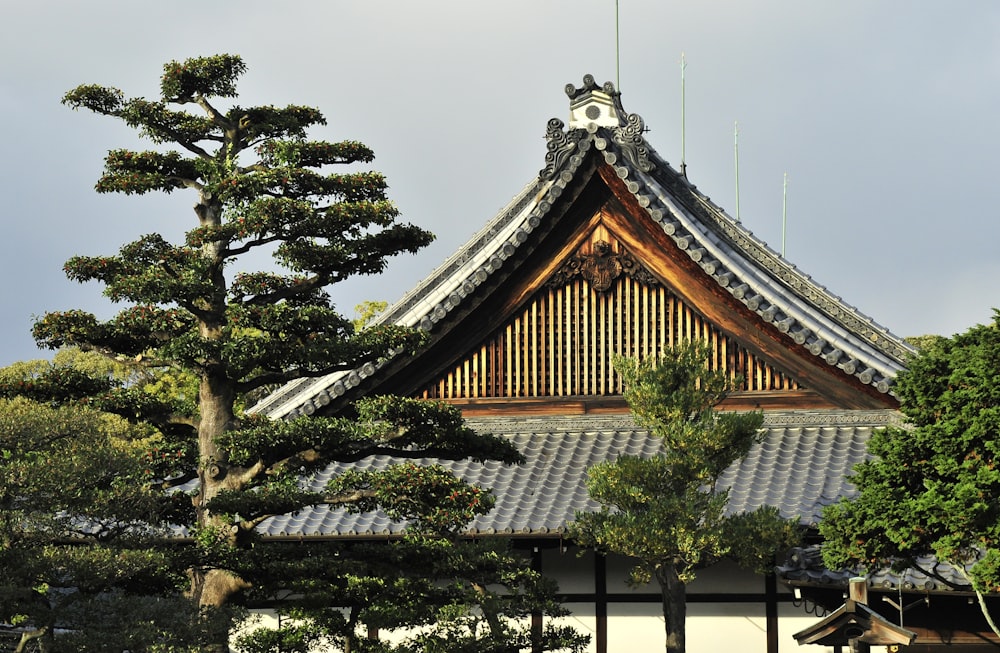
(882, 114)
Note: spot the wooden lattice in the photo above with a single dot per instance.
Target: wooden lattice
(561, 344)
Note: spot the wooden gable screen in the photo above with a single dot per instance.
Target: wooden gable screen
(562, 342)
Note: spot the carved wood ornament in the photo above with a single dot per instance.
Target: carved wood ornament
(601, 269)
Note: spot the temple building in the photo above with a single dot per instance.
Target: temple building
(610, 250)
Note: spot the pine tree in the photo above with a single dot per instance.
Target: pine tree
(260, 184)
(666, 511)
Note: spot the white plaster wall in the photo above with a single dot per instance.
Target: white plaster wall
(638, 627)
(711, 628)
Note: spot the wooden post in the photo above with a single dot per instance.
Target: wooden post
(857, 591)
(771, 611)
(536, 617)
(601, 601)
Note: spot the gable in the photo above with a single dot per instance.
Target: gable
(600, 301)
(509, 328)
(598, 278)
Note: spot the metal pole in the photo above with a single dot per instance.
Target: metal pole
(784, 213)
(683, 121)
(736, 154)
(618, 70)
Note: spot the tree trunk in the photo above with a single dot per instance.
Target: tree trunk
(673, 593)
(213, 589)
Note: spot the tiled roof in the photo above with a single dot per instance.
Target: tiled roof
(799, 468)
(768, 285)
(804, 566)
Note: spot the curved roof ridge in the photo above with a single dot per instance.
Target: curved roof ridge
(448, 273)
(779, 303)
(792, 275)
(752, 272)
(422, 306)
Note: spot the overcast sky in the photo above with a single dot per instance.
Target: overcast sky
(883, 114)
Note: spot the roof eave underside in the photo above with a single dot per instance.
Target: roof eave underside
(804, 311)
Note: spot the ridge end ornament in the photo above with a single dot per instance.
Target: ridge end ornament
(629, 137)
(559, 145)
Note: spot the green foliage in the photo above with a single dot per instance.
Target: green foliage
(429, 495)
(77, 520)
(674, 397)
(324, 226)
(190, 344)
(451, 598)
(201, 76)
(643, 516)
(64, 464)
(118, 622)
(667, 512)
(921, 343)
(934, 486)
(754, 537)
(405, 428)
(135, 392)
(367, 311)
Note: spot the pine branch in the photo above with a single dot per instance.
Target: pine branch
(211, 111)
(270, 378)
(231, 252)
(177, 481)
(348, 497)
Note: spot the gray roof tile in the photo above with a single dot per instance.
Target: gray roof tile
(797, 469)
(804, 566)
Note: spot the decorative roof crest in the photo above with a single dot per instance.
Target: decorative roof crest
(589, 86)
(629, 137)
(592, 107)
(601, 269)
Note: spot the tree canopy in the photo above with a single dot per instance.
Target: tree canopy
(667, 511)
(200, 333)
(932, 487)
(76, 475)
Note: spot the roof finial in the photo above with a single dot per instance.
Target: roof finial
(593, 104)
